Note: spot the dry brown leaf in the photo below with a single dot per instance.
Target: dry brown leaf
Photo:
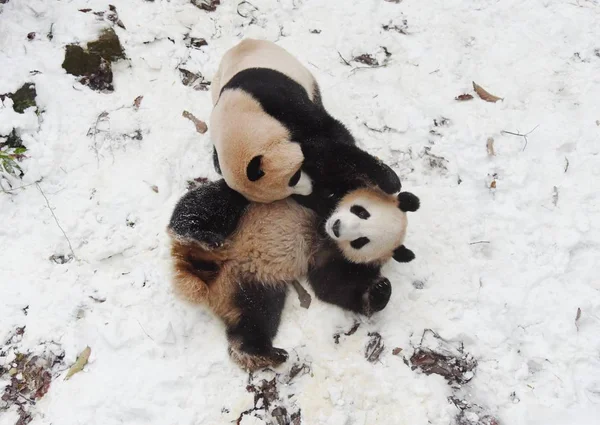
(138, 101)
(303, 296)
(82, 360)
(464, 97)
(396, 351)
(201, 126)
(490, 146)
(493, 184)
(484, 94)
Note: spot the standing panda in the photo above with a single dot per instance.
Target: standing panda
(244, 278)
(273, 138)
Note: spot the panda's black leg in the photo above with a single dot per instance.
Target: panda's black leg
(208, 214)
(216, 161)
(251, 338)
(355, 287)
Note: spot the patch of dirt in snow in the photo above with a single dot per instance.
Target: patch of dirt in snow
(506, 244)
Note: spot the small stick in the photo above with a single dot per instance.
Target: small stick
(478, 242)
(345, 61)
(56, 219)
(524, 136)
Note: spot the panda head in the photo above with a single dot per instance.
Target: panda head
(255, 152)
(369, 225)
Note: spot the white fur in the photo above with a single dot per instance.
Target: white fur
(304, 185)
(385, 228)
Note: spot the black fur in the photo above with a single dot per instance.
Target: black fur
(216, 161)
(260, 308)
(356, 287)
(408, 202)
(253, 171)
(208, 214)
(332, 159)
(403, 255)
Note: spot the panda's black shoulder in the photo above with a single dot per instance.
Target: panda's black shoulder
(287, 101)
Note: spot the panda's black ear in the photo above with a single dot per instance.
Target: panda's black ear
(408, 202)
(403, 255)
(253, 170)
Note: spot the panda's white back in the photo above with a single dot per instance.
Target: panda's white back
(252, 53)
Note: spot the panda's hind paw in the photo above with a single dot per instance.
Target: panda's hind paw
(252, 362)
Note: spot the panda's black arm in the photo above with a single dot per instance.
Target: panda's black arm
(355, 287)
(329, 163)
(208, 214)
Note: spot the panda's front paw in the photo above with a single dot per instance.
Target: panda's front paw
(209, 240)
(388, 180)
(377, 296)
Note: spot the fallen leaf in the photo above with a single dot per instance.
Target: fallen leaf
(396, 351)
(490, 146)
(374, 348)
(493, 184)
(85, 10)
(485, 95)
(78, 366)
(154, 188)
(367, 59)
(201, 126)
(138, 101)
(464, 97)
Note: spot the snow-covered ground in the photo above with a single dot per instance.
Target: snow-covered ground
(502, 270)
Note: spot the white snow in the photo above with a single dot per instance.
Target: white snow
(502, 270)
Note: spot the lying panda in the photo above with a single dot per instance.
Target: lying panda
(244, 278)
(272, 136)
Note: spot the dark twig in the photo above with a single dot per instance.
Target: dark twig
(384, 129)
(56, 219)
(345, 61)
(478, 242)
(524, 136)
(12, 189)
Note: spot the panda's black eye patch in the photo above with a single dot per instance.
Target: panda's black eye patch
(359, 243)
(360, 212)
(253, 171)
(295, 178)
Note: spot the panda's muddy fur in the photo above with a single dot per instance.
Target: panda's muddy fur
(244, 278)
(269, 126)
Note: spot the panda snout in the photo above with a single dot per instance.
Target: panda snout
(336, 228)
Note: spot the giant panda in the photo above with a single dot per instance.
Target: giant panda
(272, 136)
(244, 278)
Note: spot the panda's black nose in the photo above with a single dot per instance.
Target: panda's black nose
(336, 228)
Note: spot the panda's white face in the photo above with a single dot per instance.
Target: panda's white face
(367, 226)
